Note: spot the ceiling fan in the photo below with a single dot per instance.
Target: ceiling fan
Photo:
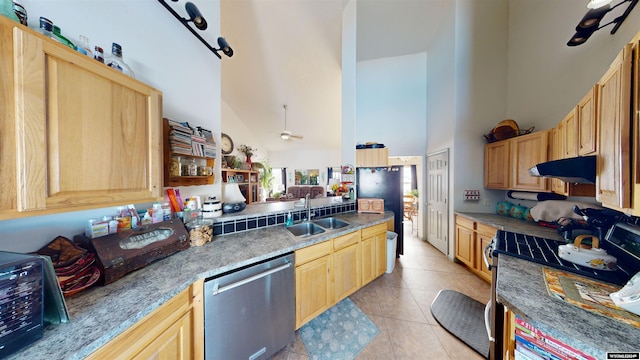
(288, 134)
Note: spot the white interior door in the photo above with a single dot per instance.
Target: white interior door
(438, 200)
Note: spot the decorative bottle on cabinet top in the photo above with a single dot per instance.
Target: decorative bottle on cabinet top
(6, 9)
(63, 40)
(115, 60)
(46, 28)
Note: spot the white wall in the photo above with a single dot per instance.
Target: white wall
(546, 78)
(391, 95)
(240, 134)
(441, 107)
(162, 53)
(480, 92)
(349, 19)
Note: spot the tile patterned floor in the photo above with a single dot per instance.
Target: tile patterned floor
(399, 303)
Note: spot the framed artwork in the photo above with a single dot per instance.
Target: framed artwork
(231, 178)
(239, 178)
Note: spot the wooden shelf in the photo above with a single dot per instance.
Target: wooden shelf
(183, 180)
(249, 186)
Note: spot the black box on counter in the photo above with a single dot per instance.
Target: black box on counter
(129, 250)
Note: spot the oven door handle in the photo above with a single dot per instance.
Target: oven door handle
(485, 257)
(487, 321)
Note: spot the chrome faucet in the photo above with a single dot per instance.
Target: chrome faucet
(307, 207)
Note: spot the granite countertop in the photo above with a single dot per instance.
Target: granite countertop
(99, 314)
(514, 225)
(521, 288)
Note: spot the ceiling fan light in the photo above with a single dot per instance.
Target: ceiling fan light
(285, 136)
(594, 4)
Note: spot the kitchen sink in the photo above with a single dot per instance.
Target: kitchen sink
(305, 229)
(331, 223)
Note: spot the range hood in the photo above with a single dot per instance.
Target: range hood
(576, 170)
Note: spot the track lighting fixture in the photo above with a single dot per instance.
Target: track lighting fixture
(195, 17)
(590, 22)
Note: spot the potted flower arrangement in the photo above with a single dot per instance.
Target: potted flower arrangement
(248, 152)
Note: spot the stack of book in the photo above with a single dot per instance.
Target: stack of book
(533, 344)
(180, 138)
(185, 140)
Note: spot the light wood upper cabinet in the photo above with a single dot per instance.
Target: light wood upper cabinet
(84, 135)
(527, 151)
(587, 124)
(557, 186)
(613, 161)
(372, 157)
(496, 165)
(568, 135)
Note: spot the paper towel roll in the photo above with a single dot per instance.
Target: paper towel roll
(523, 195)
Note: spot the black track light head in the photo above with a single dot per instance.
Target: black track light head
(195, 16)
(224, 46)
(590, 22)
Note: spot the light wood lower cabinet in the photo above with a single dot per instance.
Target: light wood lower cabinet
(471, 239)
(313, 282)
(173, 331)
(347, 278)
(465, 241)
(329, 271)
(374, 252)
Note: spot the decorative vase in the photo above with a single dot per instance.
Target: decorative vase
(6, 9)
(249, 161)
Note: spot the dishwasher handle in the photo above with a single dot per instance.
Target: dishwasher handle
(234, 285)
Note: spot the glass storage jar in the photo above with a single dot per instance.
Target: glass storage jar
(200, 231)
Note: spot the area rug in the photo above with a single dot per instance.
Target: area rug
(339, 333)
(463, 317)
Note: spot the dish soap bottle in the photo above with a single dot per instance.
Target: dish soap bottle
(289, 221)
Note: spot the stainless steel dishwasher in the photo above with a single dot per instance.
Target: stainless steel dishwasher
(250, 313)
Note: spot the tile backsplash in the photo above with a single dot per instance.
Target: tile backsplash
(224, 227)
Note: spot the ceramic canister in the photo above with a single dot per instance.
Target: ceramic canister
(211, 208)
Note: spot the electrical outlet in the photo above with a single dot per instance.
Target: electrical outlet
(471, 195)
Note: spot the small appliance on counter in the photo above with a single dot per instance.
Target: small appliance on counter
(22, 289)
(593, 256)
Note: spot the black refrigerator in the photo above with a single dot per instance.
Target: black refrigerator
(384, 183)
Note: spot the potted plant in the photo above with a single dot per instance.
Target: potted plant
(266, 176)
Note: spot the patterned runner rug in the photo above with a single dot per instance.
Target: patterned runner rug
(339, 333)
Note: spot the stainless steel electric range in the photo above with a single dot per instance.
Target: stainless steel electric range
(622, 240)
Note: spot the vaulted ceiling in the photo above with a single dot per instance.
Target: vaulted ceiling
(289, 52)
